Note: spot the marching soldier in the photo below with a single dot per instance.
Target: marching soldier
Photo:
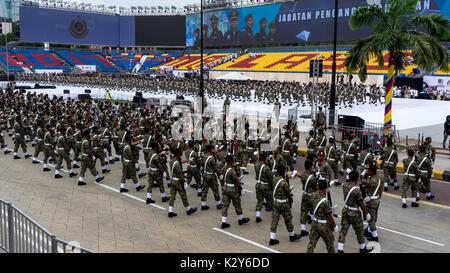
(232, 192)
(320, 118)
(19, 139)
(48, 147)
(333, 159)
(309, 184)
(366, 157)
(410, 179)
(156, 175)
(39, 141)
(350, 155)
(63, 153)
(193, 168)
(351, 215)
(78, 139)
(128, 169)
(106, 142)
(390, 159)
(426, 171)
(321, 140)
(98, 149)
(264, 185)
(282, 205)
(210, 174)
(179, 185)
(323, 224)
(2, 140)
(87, 161)
(311, 145)
(287, 152)
(372, 190)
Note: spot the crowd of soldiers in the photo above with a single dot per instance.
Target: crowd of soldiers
(267, 92)
(82, 132)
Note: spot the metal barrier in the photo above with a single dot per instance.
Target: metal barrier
(370, 134)
(21, 234)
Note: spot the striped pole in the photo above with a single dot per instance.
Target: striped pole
(388, 100)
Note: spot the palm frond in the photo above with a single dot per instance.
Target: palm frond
(435, 25)
(367, 16)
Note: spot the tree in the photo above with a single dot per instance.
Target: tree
(396, 29)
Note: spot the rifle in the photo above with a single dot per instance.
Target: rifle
(364, 195)
(333, 208)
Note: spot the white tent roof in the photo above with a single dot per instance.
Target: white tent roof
(234, 76)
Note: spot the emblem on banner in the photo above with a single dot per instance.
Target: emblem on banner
(78, 28)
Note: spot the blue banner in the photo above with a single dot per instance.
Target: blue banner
(290, 22)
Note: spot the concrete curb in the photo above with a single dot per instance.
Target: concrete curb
(437, 173)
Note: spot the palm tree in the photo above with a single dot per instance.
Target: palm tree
(396, 29)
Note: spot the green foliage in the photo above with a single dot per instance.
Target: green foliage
(396, 29)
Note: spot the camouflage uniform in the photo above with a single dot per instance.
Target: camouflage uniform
(366, 158)
(320, 227)
(390, 158)
(311, 144)
(209, 178)
(62, 154)
(281, 206)
(193, 170)
(351, 215)
(263, 186)
(321, 141)
(230, 191)
(309, 183)
(48, 148)
(410, 178)
(350, 156)
(176, 184)
(86, 161)
(19, 139)
(155, 174)
(286, 146)
(424, 166)
(372, 186)
(332, 159)
(97, 151)
(128, 169)
(40, 142)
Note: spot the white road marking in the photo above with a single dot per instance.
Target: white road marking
(129, 195)
(247, 241)
(407, 235)
(411, 236)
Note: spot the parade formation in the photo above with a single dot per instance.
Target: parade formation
(80, 133)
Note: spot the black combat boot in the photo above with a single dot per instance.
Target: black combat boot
(225, 225)
(243, 221)
(295, 237)
(191, 211)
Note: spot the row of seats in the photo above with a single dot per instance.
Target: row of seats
(192, 61)
(155, 60)
(299, 61)
(87, 58)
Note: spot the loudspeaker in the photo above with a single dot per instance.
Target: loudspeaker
(87, 91)
(311, 68)
(139, 100)
(83, 97)
(351, 121)
(4, 78)
(66, 91)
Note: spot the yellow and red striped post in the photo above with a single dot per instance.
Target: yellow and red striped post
(388, 100)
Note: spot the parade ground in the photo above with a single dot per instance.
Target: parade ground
(101, 219)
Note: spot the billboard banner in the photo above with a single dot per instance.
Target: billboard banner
(68, 27)
(160, 30)
(87, 68)
(289, 22)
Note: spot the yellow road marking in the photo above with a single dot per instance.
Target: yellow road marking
(421, 202)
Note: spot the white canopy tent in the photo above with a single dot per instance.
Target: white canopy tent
(234, 76)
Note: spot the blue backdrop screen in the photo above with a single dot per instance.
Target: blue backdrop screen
(69, 27)
(290, 22)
